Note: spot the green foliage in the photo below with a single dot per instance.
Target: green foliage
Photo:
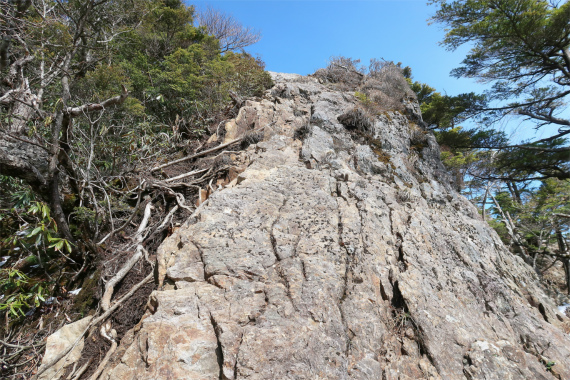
(441, 111)
(507, 203)
(178, 85)
(512, 38)
(38, 233)
(537, 213)
(521, 47)
(363, 98)
(458, 160)
(499, 227)
(19, 293)
(546, 159)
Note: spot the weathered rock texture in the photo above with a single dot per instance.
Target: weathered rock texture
(340, 254)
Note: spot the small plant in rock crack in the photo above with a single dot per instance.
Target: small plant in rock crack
(302, 132)
(357, 118)
(549, 365)
(363, 98)
(404, 195)
(401, 320)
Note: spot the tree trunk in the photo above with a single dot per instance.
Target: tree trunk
(563, 249)
(515, 193)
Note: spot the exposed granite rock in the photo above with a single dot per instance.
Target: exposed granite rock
(340, 255)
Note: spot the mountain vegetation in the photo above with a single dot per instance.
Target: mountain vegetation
(93, 96)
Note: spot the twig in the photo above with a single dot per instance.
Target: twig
(348, 70)
(543, 271)
(20, 347)
(127, 222)
(82, 369)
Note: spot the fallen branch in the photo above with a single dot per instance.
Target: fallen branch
(557, 255)
(112, 349)
(110, 285)
(82, 369)
(147, 211)
(196, 155)
(186, 175)
(191, 184)
(86, 108)
(166, 220)
(122, 299)
(238, 100)
(180, 201)
(105, 360)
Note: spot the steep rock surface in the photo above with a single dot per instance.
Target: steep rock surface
(339, 254)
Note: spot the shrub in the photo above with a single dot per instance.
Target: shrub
(418, 137)
(381, 87)
(342, 70)
(357, 118)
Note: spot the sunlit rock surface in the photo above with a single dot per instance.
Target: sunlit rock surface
(338, 255)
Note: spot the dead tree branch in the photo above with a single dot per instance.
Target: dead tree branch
(208, 151)
(110, 285)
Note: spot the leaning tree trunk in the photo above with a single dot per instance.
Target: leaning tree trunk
(563, 249)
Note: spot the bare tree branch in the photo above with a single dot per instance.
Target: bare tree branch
(229, 31)
(86, 108)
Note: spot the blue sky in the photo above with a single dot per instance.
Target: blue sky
(300, 36)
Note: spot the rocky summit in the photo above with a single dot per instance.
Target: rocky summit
(340, 250)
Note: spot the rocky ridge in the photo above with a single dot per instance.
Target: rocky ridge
(340, 254)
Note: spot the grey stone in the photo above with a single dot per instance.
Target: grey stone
(325, 262)
(59, 341)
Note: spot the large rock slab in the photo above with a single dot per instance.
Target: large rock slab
(337, 256)
(61, 340)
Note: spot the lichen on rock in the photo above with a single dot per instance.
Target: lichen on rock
(325, 262)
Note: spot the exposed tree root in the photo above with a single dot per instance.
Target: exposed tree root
(93, 322)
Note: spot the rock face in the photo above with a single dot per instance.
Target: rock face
(341, 254)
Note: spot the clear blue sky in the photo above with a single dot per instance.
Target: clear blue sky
(300, 36)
